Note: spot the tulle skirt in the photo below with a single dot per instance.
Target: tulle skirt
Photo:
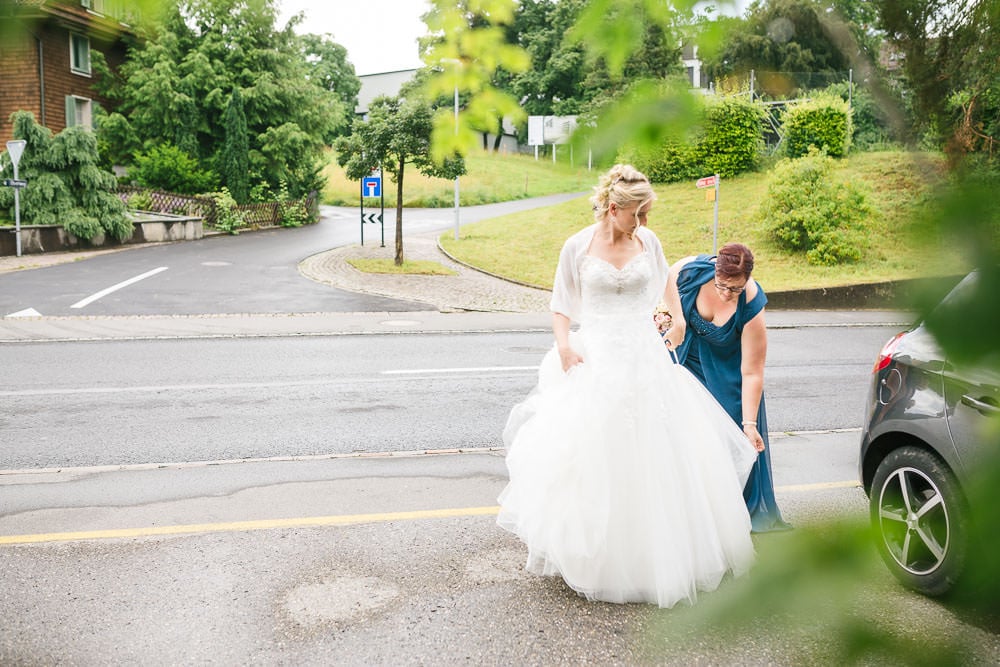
(626, 476)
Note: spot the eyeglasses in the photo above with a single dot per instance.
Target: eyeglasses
(731, 290)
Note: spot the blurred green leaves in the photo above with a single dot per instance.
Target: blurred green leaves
(466, 49)
(817, 596)
(822, 585)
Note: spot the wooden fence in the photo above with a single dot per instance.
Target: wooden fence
(262, 214)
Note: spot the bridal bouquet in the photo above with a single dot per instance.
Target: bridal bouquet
(662, 319)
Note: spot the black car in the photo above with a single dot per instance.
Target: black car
(921, 439)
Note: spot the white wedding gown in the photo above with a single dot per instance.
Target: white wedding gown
(626, 476)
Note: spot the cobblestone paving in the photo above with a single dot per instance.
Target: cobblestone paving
(468, 290)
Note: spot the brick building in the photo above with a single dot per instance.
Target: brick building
(46, 58)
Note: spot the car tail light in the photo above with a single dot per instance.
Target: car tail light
(885, 356)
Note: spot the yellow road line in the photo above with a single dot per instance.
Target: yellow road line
(239, 526)
(308, 522)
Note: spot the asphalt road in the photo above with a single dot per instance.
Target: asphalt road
(255, 272)
(321, 489)
(89, 403)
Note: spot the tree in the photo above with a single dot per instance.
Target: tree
(952, 66)
(553, 83)
(785, 43)
(465, 49)
(177, 87)
(234, 161)
(397, 133)
(327, 65)
(66, 185)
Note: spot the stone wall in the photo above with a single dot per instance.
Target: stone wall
(147, 228)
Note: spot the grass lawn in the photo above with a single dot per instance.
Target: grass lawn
(491, 177)
(525, 246)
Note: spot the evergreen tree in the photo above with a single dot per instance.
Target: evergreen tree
(65, 184)
(175, 85)
(234, 162)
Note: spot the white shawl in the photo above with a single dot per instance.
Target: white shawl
(566, 293)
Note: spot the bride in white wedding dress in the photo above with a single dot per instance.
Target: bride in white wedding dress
(626, 475)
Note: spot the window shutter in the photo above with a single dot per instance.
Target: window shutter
(70, 111)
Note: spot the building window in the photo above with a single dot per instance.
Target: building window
(79, 54)
(78, 111)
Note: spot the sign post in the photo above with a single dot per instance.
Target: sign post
(371, 186)
(712, 182)
(14, 150)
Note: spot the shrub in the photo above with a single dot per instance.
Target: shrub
(227, 216)
(67, 187)
(167, 167)
(823, 122)
(670, 163)
(733, 138)
(806, 210)
(140, 201)
(293, 211)
(871, 127)
(729, 142)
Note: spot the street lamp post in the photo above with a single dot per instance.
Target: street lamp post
(456, 63)
(456, 177)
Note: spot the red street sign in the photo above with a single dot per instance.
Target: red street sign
(707, 182)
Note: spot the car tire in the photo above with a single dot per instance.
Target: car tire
(920, 520)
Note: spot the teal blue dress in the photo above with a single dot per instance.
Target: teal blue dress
(714, 355)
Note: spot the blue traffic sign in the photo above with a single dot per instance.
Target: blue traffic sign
(371, 186)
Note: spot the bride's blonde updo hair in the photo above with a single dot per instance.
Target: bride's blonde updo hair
(624, 185)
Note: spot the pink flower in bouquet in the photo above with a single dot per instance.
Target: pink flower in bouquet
(662, 319)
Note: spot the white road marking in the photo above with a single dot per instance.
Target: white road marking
(114, 288)
(479, 369)
(27, 312)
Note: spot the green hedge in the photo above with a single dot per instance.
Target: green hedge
(729, 142)
(823, 122)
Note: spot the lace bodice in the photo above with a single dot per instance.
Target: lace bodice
(608, 291)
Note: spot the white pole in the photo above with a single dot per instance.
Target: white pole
(14, 150)
(715, 227)
(456, 178)
(850, 88)
(17, 214)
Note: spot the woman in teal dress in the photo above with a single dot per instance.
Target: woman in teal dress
(725, 348)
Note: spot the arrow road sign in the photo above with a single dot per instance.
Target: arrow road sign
(15, 183)
(373, 218)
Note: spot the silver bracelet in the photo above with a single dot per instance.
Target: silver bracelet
(749, 422)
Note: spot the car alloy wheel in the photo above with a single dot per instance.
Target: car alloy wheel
(918, 514)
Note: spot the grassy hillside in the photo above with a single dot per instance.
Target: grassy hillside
(525, 246)
(491, 177)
